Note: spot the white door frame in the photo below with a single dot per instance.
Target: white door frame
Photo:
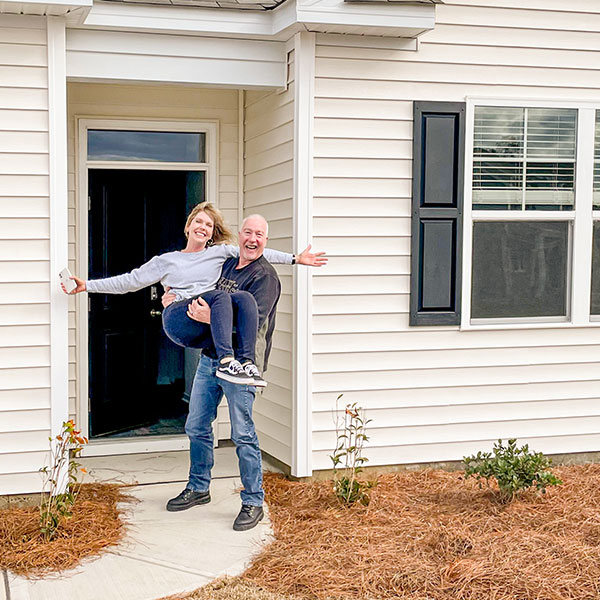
(109, 446)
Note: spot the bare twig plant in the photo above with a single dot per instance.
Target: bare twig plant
(61, 485)
(347, 458)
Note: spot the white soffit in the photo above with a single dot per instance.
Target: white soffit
(394, 19)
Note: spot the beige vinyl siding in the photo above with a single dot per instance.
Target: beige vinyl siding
(268, 190)
(436, 394)
(24, 254)
(159, 102)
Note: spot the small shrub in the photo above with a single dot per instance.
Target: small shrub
(61, 474)
(347, 458)
(514, 469)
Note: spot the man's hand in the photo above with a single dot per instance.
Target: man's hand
(306, 257)
(167, 298)
(199, 310)
(81, 287)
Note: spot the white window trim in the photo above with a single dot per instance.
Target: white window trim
(578, 301)
(595, 319)
(211, 128)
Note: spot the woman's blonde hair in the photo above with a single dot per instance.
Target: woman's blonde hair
(221, 232)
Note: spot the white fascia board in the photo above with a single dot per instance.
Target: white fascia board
(416, 18)
(54, 7)
(279, 24)
(175, 19)
(284, 20)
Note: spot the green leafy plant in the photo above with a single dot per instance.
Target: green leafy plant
(347, 458)
(514, 469)
(61, 485)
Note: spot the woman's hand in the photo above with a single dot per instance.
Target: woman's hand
(306, 257)
(199, 310)
(81, 287)
(167, 298)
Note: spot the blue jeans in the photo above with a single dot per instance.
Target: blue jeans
(207, 393)
(223, 308)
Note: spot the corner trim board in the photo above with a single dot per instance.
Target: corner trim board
(304, 77)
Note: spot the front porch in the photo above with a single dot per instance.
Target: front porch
(162, 468)
(248, 167)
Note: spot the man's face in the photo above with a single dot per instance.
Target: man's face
(252, 239)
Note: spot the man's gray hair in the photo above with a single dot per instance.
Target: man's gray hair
(256, 216)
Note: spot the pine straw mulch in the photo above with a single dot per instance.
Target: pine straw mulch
(96, 523)
(430, 535)
(232, 588)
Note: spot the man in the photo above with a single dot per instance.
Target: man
(251, 273)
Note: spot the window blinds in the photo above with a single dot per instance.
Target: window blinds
(524, 158)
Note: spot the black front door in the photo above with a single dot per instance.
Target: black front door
(136, 373)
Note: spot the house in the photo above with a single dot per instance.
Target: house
(445, 155)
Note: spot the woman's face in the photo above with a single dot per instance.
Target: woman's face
(200, 229)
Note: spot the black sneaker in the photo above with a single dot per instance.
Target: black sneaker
(248, 518)
(234, 372)
(187, 499)
(252, 371)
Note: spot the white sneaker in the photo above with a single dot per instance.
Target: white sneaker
(252, 371)
(234, 373)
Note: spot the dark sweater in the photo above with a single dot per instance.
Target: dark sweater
(260, 279)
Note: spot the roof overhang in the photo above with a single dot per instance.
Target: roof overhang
(55, 8)
(394, 19)
(399, 1)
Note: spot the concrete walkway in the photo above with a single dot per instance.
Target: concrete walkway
(163, 553)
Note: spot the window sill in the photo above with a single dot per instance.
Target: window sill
(529, 325)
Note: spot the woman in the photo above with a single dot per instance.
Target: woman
(194, 272)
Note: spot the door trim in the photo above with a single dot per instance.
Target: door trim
(82, 165)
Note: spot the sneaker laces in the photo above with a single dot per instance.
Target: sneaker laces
(251, 369)
(234, 366)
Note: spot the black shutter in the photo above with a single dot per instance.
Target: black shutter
(437, 203)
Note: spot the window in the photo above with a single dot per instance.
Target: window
(520, 269)
(141, 146)
(532, 239)
(595, 298)
(597, 163)
(524, 158)
(152, 145)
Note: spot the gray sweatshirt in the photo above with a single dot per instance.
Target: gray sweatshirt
(188, 274)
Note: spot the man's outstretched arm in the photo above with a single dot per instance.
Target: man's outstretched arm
(311, 259)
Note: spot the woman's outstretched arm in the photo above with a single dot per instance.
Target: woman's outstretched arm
(137, 279)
